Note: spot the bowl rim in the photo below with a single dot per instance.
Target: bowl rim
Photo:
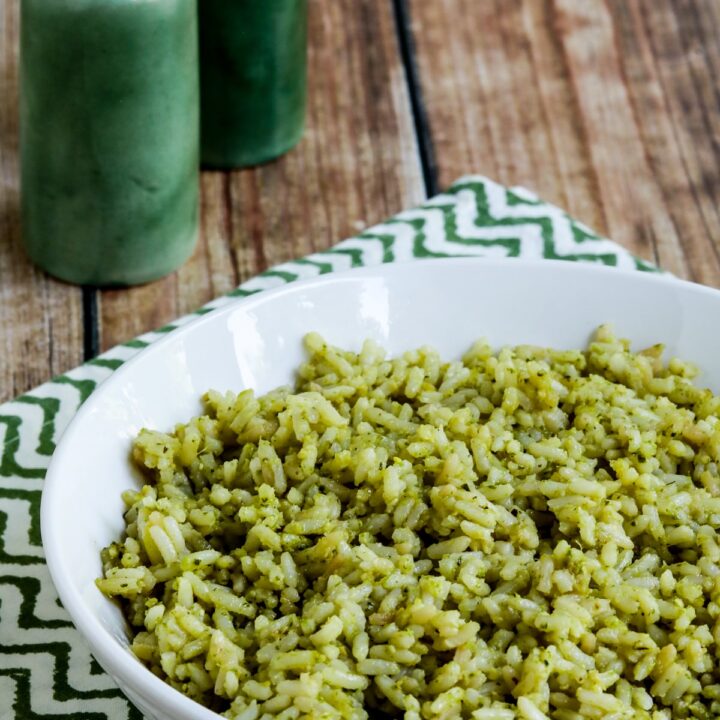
(120, 662)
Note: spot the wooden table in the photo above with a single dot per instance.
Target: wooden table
(610, 108)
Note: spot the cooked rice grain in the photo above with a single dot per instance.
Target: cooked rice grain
(524, 534)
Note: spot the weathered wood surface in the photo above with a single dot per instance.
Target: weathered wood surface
(606, 107)
(609, 109)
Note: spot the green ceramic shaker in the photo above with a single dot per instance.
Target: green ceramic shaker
(252, 79)
(109, 137)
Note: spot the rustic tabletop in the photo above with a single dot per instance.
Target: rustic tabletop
(609, 108)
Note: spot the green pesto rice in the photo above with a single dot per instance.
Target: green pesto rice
(524, 534)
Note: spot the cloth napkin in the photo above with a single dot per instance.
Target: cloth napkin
(46, 669)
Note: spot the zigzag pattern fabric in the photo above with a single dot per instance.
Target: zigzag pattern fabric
(46, 669)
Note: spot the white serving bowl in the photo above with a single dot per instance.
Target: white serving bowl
(256, 342)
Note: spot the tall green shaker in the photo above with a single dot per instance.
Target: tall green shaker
(109, 137)
(252, 79)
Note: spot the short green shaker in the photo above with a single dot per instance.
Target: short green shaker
(109, 137)
(253, 70)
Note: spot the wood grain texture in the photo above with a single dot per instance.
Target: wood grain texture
(608, 109)
(356, 165)
(672, 61)
(40, 319)
(499, 100)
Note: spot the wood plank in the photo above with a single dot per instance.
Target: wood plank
(637, 213)
(671, 59)
(40, 319)
(499, 99)
(605, 109)
(357, 164)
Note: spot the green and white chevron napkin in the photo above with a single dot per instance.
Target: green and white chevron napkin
(46, 670)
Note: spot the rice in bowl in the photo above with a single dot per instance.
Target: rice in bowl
(523, 534)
